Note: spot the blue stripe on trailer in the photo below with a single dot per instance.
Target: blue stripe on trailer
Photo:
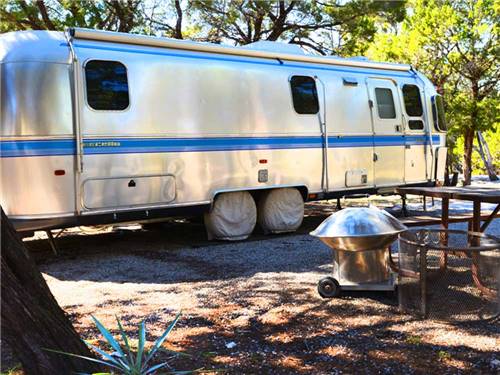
(146, 145)
(37, 147)
(420, 140)
(21, 148)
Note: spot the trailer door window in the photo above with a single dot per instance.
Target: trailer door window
(304, 95)
(413, 102)
(416, 124)
(385, 103)
(107, 85)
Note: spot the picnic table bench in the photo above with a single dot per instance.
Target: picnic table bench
(423, 220)
(477, 195)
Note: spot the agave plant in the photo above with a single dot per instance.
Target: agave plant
(123, 360)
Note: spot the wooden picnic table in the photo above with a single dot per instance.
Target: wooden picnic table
(475, 194)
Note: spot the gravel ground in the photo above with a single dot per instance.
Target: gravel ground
(252, 306)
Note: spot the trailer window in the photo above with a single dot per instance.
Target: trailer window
(413, 102)
(416, 124)
(304, 95)
(438, 113)
(385, 103)
(107, 85)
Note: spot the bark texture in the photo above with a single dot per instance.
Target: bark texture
(31, 318)
(468, 146)
(484, 151)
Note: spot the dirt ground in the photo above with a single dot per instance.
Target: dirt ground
(251, 307)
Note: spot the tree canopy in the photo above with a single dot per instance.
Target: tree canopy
(58, 14)
(326, 27)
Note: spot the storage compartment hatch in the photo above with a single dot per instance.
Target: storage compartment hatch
(128, 191)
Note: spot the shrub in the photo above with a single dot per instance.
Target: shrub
(123, 360)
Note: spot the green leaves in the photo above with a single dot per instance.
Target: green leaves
(326, 27)
(108, 336)
(158, 343)
(456, 45)
(57, 15)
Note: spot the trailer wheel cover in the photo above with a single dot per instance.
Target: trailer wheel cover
(233, 217)
(281, 210)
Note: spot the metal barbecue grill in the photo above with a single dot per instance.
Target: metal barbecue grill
(359, 238)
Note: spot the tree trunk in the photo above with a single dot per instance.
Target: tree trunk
(468, 146)
(448, 167)
(178, 23)
(447, 174)
(31, 318)
(484, 151)
(470, 132)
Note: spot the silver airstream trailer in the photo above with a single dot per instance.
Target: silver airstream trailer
(102, 127)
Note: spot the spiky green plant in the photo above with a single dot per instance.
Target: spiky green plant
(123, 360)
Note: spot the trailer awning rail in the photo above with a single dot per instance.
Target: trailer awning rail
(151, 41)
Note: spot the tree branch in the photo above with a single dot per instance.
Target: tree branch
(308, 44)
(33, 22)
(43, 11)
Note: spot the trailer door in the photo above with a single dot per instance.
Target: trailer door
(307, 101)
(415, 137)
(388, 137)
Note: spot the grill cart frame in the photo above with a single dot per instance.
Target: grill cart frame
(359, 238)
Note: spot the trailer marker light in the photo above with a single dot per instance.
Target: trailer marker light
(312, 196)
(59, 172)
(263, 161)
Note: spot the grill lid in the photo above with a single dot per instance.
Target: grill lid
(359, 229)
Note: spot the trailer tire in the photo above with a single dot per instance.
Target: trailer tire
(233, 216)
(281, 210)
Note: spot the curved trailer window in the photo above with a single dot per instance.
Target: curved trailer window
(304, 95)
(107, 85)
(438, 113)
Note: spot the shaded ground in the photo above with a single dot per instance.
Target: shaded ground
(258, 294)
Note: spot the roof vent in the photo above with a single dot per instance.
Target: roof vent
(354, 58)
(359, 58)
(266, 45)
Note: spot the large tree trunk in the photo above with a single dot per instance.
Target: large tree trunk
(468, 146)
(484, 151)
(470, 133)
(31, 318)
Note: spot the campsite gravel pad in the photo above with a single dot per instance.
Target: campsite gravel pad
(252, 307)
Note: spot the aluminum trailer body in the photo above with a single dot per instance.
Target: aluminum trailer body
(106, 127)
